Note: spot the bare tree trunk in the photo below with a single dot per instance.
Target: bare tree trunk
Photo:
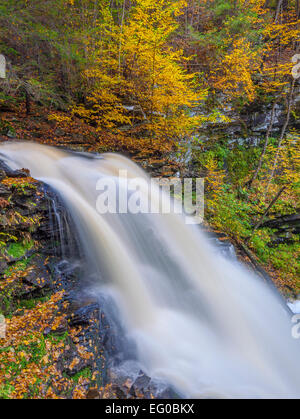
(297, 9)
(120, 43)
(287, 120)
(279, 4)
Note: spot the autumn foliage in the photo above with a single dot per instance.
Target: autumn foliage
(176, 85)
(136, 82)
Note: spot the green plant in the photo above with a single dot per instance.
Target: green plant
(5, 391)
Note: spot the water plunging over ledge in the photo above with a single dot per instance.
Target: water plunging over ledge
(200, 322)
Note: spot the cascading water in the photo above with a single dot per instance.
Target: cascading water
(200, 322)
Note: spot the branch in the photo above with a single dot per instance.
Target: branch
(259, 223)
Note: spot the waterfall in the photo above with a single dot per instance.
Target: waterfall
(199, 321)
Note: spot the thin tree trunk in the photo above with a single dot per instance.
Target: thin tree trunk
(287, 120)
(120, 43)
(265, 145)
(279, 4)
(152, 90)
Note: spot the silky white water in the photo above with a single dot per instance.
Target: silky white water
(202, 323)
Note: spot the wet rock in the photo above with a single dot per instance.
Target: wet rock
(84, 349)
(4, 191)
(119, 386)
(72, 363)
(37, 283)
(168, 393)
(118, 392)
(93, 394)
(38, 277)
(2, 174)
(19, 173)
(292, 219)
(259, 117)
(112, 392)
(13, 173)
(19, 208)
(59, 330)
(11, 134)
(84, 315)
(145, 387)
(141, 386)
(26, 204)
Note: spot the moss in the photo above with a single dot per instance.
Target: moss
(6, 304)
(33, 389)
(11, 285)
(5, 391)
(85, 373)
(30, 304)
(36, 349)
(5, 238)
(30, 351)
(55, 337)
(18, 250)
(5, 126)
(19, 266)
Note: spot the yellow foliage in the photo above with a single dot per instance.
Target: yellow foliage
(214, 180)
(59, 118)
(287, 171)
(136, 79)
(234, 74)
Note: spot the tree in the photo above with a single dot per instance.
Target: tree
(137, 78)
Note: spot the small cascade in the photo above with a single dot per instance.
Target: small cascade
(64, 241)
